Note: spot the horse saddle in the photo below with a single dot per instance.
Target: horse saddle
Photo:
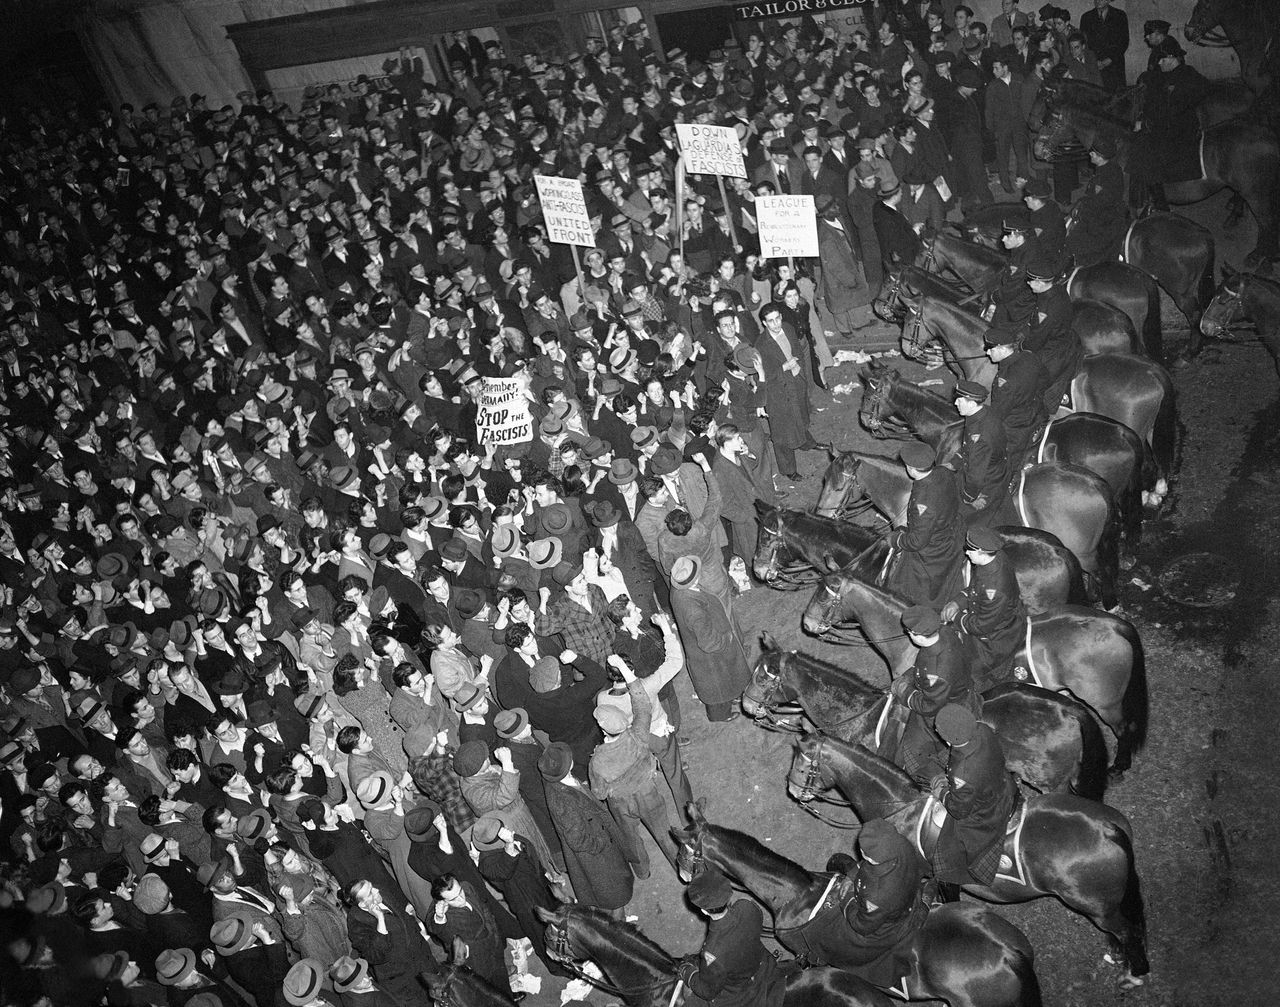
(935, 839)
(1011, 868)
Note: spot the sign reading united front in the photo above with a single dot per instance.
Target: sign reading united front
(788, 8)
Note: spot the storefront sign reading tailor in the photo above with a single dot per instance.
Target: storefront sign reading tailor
(564, 210)
(788, 226)
(711, 150)
(788, 8)
(502, 412)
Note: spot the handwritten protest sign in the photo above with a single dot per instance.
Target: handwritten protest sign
(502, 416)
(564, 210)
(711, 150)
(788, 226)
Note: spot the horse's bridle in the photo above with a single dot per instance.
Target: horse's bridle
(766, 715)
(792, 574)
(808, 788)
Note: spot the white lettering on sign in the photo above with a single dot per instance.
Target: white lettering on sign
(564, 210)
(711, 150)
(502, 412)
(788, 226)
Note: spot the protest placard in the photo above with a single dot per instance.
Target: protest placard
(502, 414)
(711, 150)
(788, 226)
(564, 210)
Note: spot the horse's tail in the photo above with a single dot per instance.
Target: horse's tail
(1109, 556)
(1209, 278)
(1134, 707)
(1023, 967)
(1129, 498)
(1132, 908)
(1152, 332)
(1091, 777)
(1077, 593)
(1164, 433)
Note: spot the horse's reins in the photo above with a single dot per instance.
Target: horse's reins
(558, 948)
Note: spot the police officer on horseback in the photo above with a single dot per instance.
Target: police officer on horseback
(931, 544)
(982, 459)
(1017, 395)
(988, 612)
(733, 969)
(1047, 219)
(977, 790)
(1100, 216)
(1169, 121)
(888, 907)
(1011, 301)
(1051, 337)
(939, 677)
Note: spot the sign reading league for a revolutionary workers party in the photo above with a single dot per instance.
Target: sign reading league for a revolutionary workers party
(711, 150)
(564, 210)
(502, 414)
(788, 226)
(765, 9)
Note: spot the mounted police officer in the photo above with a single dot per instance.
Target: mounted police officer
(940, 676)
(887, 908)
(1011, 301)
(733, 969)
(932, 541)
(989, 613)
(1017, 395)
(1100, 214)
(1051, 337)
(976, 788)
(1047, 219)
(982, 460)
(1170, 125)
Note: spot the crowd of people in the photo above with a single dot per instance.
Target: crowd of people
(304, 685)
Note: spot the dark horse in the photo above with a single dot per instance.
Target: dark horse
(1077, 850)
(1240, 155)
(1129, 289)
(1051, 742)
(894, 406)
(1067, 501)
(641, 974)
(794, 548)
(1245, 297)
(1179, 254)
(1248, 26)
(457, 985)
(965, 955)
(1095, 657)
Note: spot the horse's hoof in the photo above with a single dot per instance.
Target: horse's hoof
(1114, 775)
(1130, 982)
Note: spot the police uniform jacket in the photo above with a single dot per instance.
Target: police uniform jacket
(980, 791)
(941, 676)
(886, 912)
(1051, 337)
(1017, 397)
(1051, 227)
(734, 968)
(933, 540)
(1014, 301)
(992, 611)
(983, 458)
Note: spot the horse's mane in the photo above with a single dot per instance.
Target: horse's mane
(885, 773)
(883, 592)
(924, 398)
(474, 982)
(803, 521)
(820, 666)
(759, 857)
(626, 937)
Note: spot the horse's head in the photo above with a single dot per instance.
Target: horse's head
(826, 607)
(808, 776)
(915, 335)
(562, 942)
(840, 485)
(1205, 16)
(690, 856)
(887, 306)
(1056, 134)
(455, 985)
(768, 542)
(1227, 306)
(766, 688)
(877, 385)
